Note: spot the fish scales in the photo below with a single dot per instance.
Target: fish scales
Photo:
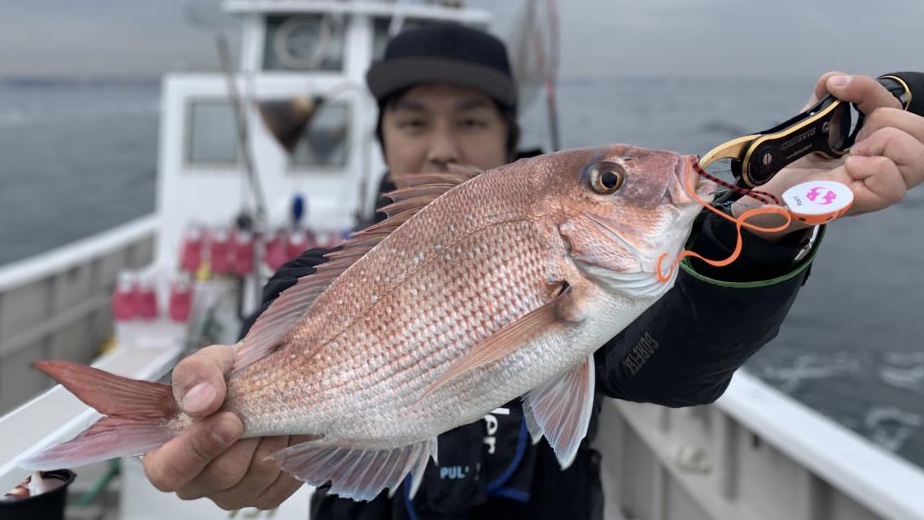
(502, 287)
(478, 275)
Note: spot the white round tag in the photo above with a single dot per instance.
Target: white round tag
(820, 201)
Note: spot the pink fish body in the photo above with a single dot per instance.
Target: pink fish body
(474, 291)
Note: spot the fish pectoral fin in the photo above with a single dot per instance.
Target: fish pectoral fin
(356, 473)
(510, 337)
(560, 410)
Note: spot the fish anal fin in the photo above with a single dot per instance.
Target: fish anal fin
(560, 410)
(510, 337)
(356, 473)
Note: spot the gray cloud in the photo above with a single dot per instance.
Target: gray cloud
(728, 37)
(99, 37)
(600, 38)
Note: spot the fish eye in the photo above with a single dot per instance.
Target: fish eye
(607, 177)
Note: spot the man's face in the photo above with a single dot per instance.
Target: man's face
(432, 126)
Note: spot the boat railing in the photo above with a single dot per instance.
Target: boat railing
(755, 454)
(55, 305)
(57, 415)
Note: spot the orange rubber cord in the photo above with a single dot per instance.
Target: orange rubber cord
(692, 171)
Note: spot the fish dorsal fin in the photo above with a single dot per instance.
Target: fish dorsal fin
(414, 192)
(360, 474)
(456, 175)
(465, 172)
(508, 339)
(560, 410)
(263, 337)
(412, 204)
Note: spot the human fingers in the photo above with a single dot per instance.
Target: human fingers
(244, 477)
(199, 380)
(864, 91)
(876, 183)
(908, 122)
(284, 486)
(898, 158)
(821, 88)
(182, 458)
(236, 472)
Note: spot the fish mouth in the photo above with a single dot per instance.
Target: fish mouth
(691, 188)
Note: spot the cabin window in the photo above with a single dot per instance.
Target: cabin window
(304, 42)
(325, 143)
(210, 131)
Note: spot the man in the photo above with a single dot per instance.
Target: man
(446, 96)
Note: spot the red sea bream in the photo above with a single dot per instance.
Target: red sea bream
(477, 289)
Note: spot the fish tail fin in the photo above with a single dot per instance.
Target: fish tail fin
(139, 415)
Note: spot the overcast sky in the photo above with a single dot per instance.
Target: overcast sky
(600, 38)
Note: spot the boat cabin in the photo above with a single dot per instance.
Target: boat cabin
(283, 143)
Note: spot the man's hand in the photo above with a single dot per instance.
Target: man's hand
(886, 161)
(209, 460)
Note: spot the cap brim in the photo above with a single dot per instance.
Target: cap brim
(389, 77)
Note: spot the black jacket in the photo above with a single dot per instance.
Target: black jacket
(681, 352)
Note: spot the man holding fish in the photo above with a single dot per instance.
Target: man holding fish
(447, 99)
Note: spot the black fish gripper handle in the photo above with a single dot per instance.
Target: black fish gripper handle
(907, 87)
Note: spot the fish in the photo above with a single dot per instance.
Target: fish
(478, 288)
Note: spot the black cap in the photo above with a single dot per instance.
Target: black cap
(444, 53)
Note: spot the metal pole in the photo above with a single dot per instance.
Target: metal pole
(259, 221)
